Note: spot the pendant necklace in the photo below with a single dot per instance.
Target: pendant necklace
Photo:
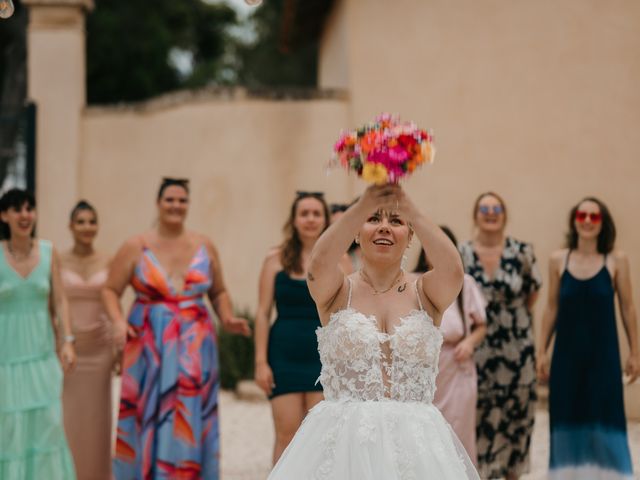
(366, 279)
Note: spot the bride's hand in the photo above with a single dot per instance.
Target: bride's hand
(377, 197)
(403, 203)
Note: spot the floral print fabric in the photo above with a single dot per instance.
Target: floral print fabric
(505, 360)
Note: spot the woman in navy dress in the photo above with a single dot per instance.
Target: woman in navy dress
(287, 359)
(586, 407)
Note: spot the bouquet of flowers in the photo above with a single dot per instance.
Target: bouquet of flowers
(385, 150)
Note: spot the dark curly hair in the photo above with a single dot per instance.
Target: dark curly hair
(607, 235)
(291, 247)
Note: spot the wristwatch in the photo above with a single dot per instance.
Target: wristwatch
(69, 339)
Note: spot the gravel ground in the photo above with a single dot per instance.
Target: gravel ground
(247, 439)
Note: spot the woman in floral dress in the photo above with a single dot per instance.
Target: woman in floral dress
(506, 271)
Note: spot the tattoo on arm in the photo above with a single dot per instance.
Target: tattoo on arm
(310, 277)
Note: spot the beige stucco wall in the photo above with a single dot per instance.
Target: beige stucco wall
(245, 158)
(56, 72)
(536, 100)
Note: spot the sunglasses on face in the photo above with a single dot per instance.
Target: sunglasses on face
(486, 209)
(593, 216)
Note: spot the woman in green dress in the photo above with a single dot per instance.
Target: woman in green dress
(32, 440)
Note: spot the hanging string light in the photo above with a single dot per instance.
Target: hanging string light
(253, 3)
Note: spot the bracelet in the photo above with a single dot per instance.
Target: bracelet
(69, 339)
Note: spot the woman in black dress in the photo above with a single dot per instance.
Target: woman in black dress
(286, 354)
(506, 271)
(586, 406)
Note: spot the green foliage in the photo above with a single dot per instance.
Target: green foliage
(129, 43)
(236, 355)
(285, 52)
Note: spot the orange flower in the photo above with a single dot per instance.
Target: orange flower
(369, 141)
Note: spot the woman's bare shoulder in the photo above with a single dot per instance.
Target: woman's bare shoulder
(272, 259)
(559, 255)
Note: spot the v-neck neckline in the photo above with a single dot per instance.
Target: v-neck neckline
(165, 272)
(26, 277)
(491, 279)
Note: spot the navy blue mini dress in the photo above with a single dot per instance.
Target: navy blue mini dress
(293, 347)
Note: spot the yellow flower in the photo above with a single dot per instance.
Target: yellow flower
(374, 173)
(428, 152)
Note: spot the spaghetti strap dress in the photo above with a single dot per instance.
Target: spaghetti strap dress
(293, 346)
(168, 419)
(586, 406)
(32, 440)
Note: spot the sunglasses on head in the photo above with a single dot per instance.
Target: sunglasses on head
(495, 209)
(338, 207)
(302, 193)
(175, 181)
(593, 216)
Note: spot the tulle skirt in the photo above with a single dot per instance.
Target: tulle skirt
(386, 440)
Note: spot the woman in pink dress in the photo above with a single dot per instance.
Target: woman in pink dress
(463, 327)
(86, 395)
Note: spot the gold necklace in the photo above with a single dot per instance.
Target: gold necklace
(366, 279)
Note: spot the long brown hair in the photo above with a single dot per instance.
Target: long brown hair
(291, 247)
(607, 235)
(424, 266)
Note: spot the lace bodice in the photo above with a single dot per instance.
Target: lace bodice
(355, 366)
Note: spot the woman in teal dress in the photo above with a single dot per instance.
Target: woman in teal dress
(32, 440)
(287, 359)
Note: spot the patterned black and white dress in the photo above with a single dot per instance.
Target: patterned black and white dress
(505, 360)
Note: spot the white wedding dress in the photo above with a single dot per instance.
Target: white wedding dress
(377, 421)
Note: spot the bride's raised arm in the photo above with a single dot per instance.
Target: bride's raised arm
(325, 278)
(442, 283)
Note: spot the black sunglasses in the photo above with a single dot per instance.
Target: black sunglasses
(302, 193)
(338, 207)
(175, 181)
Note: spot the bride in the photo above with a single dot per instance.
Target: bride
(379, 346)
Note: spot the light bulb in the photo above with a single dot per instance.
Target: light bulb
(253, 3)
(6, 8)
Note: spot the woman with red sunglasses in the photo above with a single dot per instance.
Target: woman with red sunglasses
(586, 407)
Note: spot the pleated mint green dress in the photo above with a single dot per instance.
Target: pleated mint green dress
(32, 440)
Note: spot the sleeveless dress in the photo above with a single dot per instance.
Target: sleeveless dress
(32, 440)
(505, 360)
(586, 406)
(168, 420)
(86, 396)
(457, 382)
(378, 421)
(293, 347)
